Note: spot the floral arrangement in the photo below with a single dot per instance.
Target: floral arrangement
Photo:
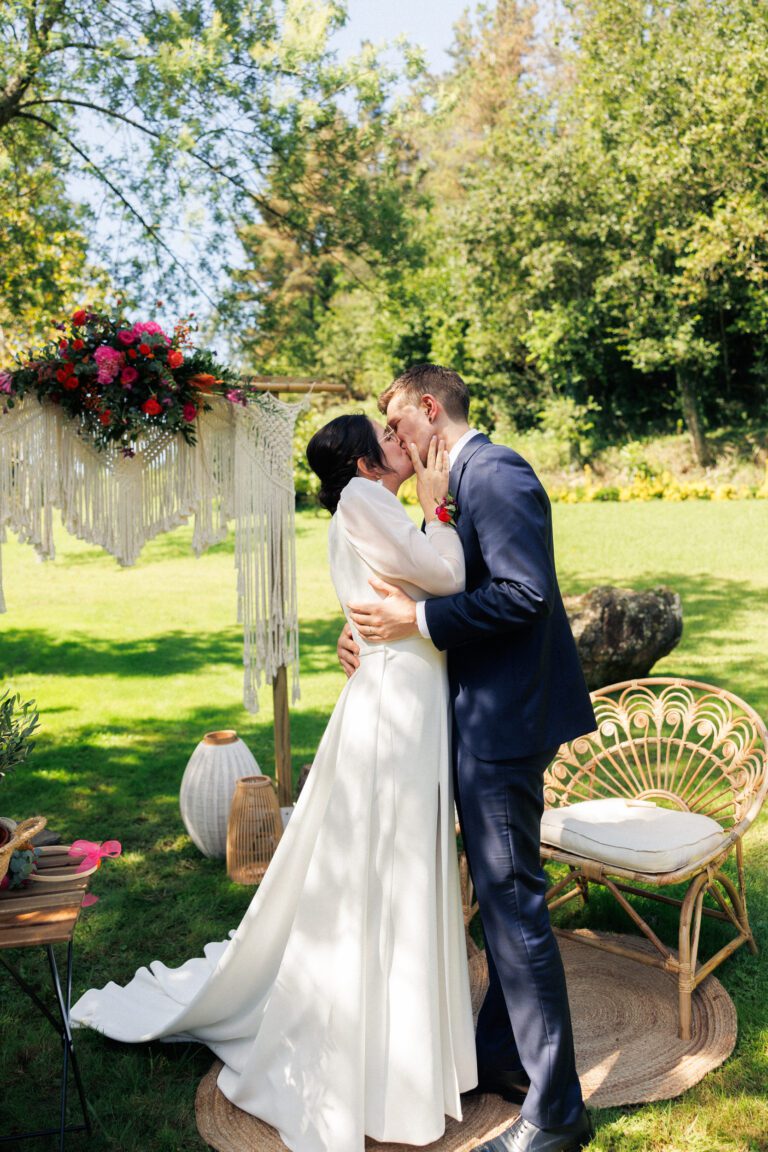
(447, 510)
(118, 377)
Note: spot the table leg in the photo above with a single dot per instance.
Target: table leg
(64, 1000)
(62, 1025)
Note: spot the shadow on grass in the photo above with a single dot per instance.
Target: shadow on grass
(125, 777)
(37, 651)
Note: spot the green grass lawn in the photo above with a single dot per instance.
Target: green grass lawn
(131, 667)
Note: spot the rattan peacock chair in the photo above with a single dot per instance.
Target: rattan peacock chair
(660, 794)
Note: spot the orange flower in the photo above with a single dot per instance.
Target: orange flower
(204, 382)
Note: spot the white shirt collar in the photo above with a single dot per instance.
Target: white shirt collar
(453, 455)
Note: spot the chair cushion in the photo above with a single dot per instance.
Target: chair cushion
(633, 834)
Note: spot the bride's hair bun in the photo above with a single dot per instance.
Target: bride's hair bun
(333, 453)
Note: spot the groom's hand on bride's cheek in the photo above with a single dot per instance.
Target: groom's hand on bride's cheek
(392, 618)
(347, 651)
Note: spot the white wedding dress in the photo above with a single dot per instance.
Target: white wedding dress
(340, 1006)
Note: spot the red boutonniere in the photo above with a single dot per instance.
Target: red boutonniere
(447, 510)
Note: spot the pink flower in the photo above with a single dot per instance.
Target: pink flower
(6, 382)
(126, 336)
(236, 396)
(128, 376)
(149, 328)
(109, 362)
(189, 412)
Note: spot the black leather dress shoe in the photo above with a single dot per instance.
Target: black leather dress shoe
(510, 1085)
(526, 1137)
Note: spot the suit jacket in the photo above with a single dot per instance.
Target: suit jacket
(515, 678)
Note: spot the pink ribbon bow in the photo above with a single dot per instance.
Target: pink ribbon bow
(94, 853)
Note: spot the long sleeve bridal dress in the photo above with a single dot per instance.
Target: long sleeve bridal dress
(340, 1006)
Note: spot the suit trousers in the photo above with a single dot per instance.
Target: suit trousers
(525, 1019)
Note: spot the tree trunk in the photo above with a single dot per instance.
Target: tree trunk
(692, 416)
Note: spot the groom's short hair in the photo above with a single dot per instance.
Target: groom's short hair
(443, 383)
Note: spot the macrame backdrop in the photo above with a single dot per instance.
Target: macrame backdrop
(240, 469)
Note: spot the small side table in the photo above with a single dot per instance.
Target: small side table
(38, 916)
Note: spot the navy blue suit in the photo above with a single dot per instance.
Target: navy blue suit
(518, 692)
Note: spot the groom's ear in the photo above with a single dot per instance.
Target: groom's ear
(431, 406)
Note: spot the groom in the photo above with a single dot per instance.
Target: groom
(518, 692)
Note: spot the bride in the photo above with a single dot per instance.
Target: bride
(340, 1006)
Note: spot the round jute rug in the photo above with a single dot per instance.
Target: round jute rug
(627, 1051)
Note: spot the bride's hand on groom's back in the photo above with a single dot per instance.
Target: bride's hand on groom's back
(348, 651)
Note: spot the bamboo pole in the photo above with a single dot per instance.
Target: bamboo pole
(283, 773)
(289, 384)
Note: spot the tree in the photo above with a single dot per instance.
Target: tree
(179, 114)
(611, 225)
(43, 241)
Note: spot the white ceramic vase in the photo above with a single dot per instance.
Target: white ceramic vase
(208, 785)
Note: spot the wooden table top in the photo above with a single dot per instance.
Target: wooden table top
(45, 911)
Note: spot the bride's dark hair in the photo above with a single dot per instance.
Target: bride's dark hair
(333, 453)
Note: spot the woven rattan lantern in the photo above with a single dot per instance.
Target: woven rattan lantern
(254, 829)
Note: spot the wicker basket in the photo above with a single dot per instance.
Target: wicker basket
(22, 834)
(254, 829)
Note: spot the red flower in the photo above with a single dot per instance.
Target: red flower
(78, 344)
(105, 417)
(151, 407)
(63, 345)
(145, 349)
(70, 383)
(63, 374)
(132, 353)
(189, 411)
(443, 514)
(79, 318)
(175, 358)
(128, 376)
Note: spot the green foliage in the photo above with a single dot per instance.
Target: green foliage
(17, 723)
(570, 427)
(190, 117)
(575, 209)
(575, 218)
(22, 864)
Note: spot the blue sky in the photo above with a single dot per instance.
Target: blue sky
(428, 23)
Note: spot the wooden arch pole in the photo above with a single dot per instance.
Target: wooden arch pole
(282, 720)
